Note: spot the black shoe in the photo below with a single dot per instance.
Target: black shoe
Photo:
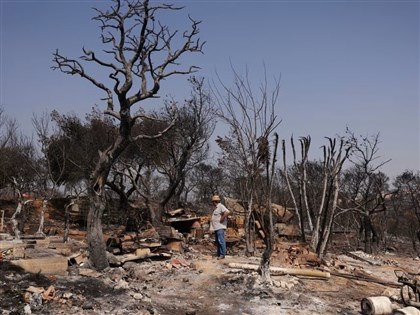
(220, 257)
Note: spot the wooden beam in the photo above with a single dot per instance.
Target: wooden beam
(285, 271)
(367, 279)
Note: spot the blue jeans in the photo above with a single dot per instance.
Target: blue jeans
(220, 242)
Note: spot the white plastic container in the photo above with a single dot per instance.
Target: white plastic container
(377, 305)
(409, 310)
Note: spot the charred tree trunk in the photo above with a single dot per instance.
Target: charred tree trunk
(97, 249)
(305, 143)
(67, 220)
(41, 221)
(266, 259)
(332, 165)
(415, 239)
(96, 244)
(289, 186)
(269, 239)
(174, 189)
(316, 233)
(368, 235)
(2, 221)
(249, 243)
(328, 213)
(123, 206)
(15, 220)
(179, 191)
(123, 203)
(327, 232)
(66, 225)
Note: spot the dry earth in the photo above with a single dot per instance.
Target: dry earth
(194, 282)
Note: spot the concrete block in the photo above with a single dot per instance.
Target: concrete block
(45, 265)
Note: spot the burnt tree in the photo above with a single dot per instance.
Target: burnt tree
(251, 118)
(367, 187)
(140, 53)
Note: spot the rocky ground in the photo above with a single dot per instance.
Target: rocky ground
(194, 282)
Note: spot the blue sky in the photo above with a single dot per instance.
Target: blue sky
(342, 63)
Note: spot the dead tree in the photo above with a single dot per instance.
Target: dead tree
(406, 204)
(182, 148)
(8, 129)
(367, 193)
(300, 199)
(14, 148)
(333, 163)
(251, 119)
(305, 143)
(47, 180)
(269, 235)
(142, 52)
(42, 218)
(67, 208)
(14, 220)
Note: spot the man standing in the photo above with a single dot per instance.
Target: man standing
(218, 224)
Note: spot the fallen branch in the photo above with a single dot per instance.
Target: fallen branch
(367, 279)
(285, 271)
(359, 256)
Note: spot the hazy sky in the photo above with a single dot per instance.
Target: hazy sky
(342, 63)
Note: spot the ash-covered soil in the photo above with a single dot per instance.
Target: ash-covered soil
(194, 282)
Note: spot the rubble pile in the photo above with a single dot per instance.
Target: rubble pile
(171, 269)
